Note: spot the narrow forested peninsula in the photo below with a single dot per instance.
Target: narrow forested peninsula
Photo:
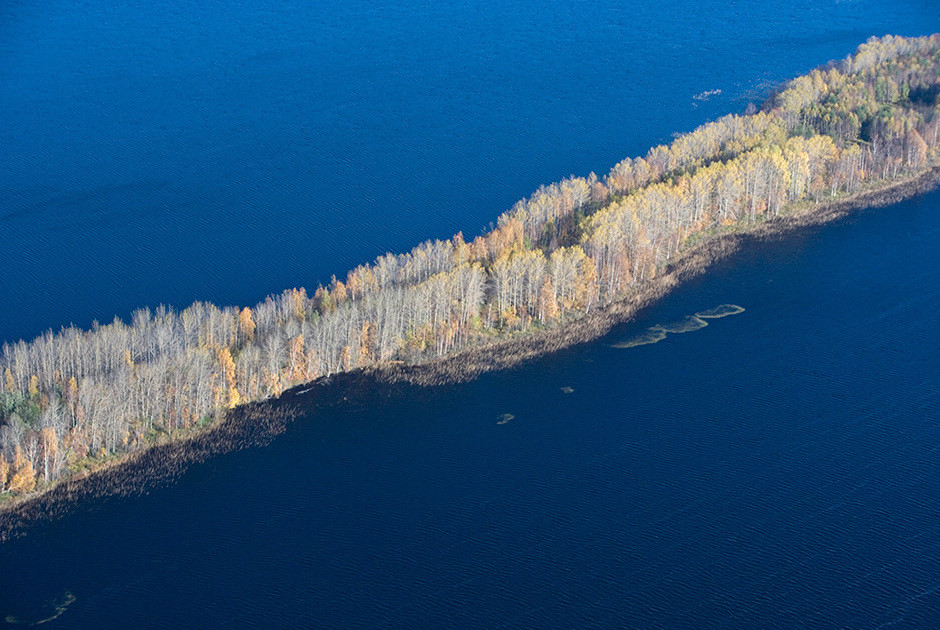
(76, 399)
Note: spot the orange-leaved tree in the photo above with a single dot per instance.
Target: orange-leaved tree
(24, 477)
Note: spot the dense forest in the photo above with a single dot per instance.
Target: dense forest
(74, 398)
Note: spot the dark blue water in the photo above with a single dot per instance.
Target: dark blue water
(164, 152)
(777, 468)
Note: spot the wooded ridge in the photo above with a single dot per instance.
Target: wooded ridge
(74, 399)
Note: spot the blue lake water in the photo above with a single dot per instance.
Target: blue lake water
(166, 152)
(776, 468)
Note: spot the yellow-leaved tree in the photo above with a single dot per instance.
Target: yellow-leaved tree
(548, 305)
(228, 373)
(296, 360)
(50, 447)
(246, 325)
(4, 472)
(24, 476)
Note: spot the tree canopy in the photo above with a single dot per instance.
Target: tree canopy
(569, 248)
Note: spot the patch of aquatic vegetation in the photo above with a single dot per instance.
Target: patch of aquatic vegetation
(689, 323)
(56, 607)
(567, 390)
(684, 325)
(721, 311)
(707, 94)
(506, 417)
(650, 336)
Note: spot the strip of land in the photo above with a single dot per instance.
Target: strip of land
(506, 353)
(561, 267)
(256, 424)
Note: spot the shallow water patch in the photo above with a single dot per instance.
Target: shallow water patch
(721, 311)
(55, 609)
(689, 323)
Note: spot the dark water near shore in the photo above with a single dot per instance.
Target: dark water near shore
(776, 468)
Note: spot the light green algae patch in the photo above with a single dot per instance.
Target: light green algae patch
(56, 606)
(506, 417)
(650, 336)
(686, 324)
(721, 311)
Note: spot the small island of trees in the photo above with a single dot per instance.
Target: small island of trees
(73, 399)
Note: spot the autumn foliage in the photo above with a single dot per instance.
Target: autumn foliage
(569, 248)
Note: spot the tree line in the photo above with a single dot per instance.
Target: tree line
(75, 396)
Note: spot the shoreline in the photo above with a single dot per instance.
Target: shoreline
(258, 423)
(500, 354)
